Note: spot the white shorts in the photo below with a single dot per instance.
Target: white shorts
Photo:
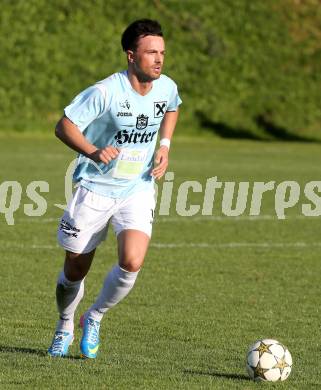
(85, 223)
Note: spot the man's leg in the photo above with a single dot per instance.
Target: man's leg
(82, 228)
(69, 292)
(132, 248)
(70, 287)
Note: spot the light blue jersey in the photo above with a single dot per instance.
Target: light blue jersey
(111, 112)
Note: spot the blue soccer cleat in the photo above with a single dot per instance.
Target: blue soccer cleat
(60, 344)
(89, 343)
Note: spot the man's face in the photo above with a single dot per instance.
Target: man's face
(148, 58)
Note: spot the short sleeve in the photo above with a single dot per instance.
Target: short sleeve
(87, 106)
(174, 99)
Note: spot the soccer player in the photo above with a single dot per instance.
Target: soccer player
(113, 125)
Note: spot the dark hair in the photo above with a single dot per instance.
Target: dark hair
(138, 29)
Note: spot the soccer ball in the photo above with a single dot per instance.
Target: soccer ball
(268, 360)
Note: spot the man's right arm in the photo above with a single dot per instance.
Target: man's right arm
(70, 135)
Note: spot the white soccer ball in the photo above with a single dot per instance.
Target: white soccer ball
(268, 360)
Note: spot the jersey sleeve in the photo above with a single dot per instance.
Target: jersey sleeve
(87, 106)
(174, 99)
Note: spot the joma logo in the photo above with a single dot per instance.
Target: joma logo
(124, 113)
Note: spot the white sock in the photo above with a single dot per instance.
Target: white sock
(68, 296)
(117, 285)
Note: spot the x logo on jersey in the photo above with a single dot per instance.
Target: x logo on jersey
(159, 109)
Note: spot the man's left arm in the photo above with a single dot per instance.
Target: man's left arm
(166, 132)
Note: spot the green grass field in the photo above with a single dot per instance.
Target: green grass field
(210, 286)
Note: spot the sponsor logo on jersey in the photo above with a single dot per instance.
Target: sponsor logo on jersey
(134, 137)
(125, 104)
(142, 122)
(120, 113)
(159, 109)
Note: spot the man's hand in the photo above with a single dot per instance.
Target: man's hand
(160, 162)
(104, 155)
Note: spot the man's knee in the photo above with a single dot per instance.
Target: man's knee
(77, 265)
(132, 248)
(131, 260)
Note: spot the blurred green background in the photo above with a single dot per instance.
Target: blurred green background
(245, 69)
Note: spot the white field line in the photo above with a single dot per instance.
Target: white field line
(238, 245)
(38, 220)
(201, 218)
(158, 245)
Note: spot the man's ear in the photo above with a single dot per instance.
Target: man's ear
(130, 56)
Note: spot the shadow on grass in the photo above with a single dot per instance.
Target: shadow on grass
(279, 132)
(217, 374)
(33, 351)
(273, 132)
(225, 131)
